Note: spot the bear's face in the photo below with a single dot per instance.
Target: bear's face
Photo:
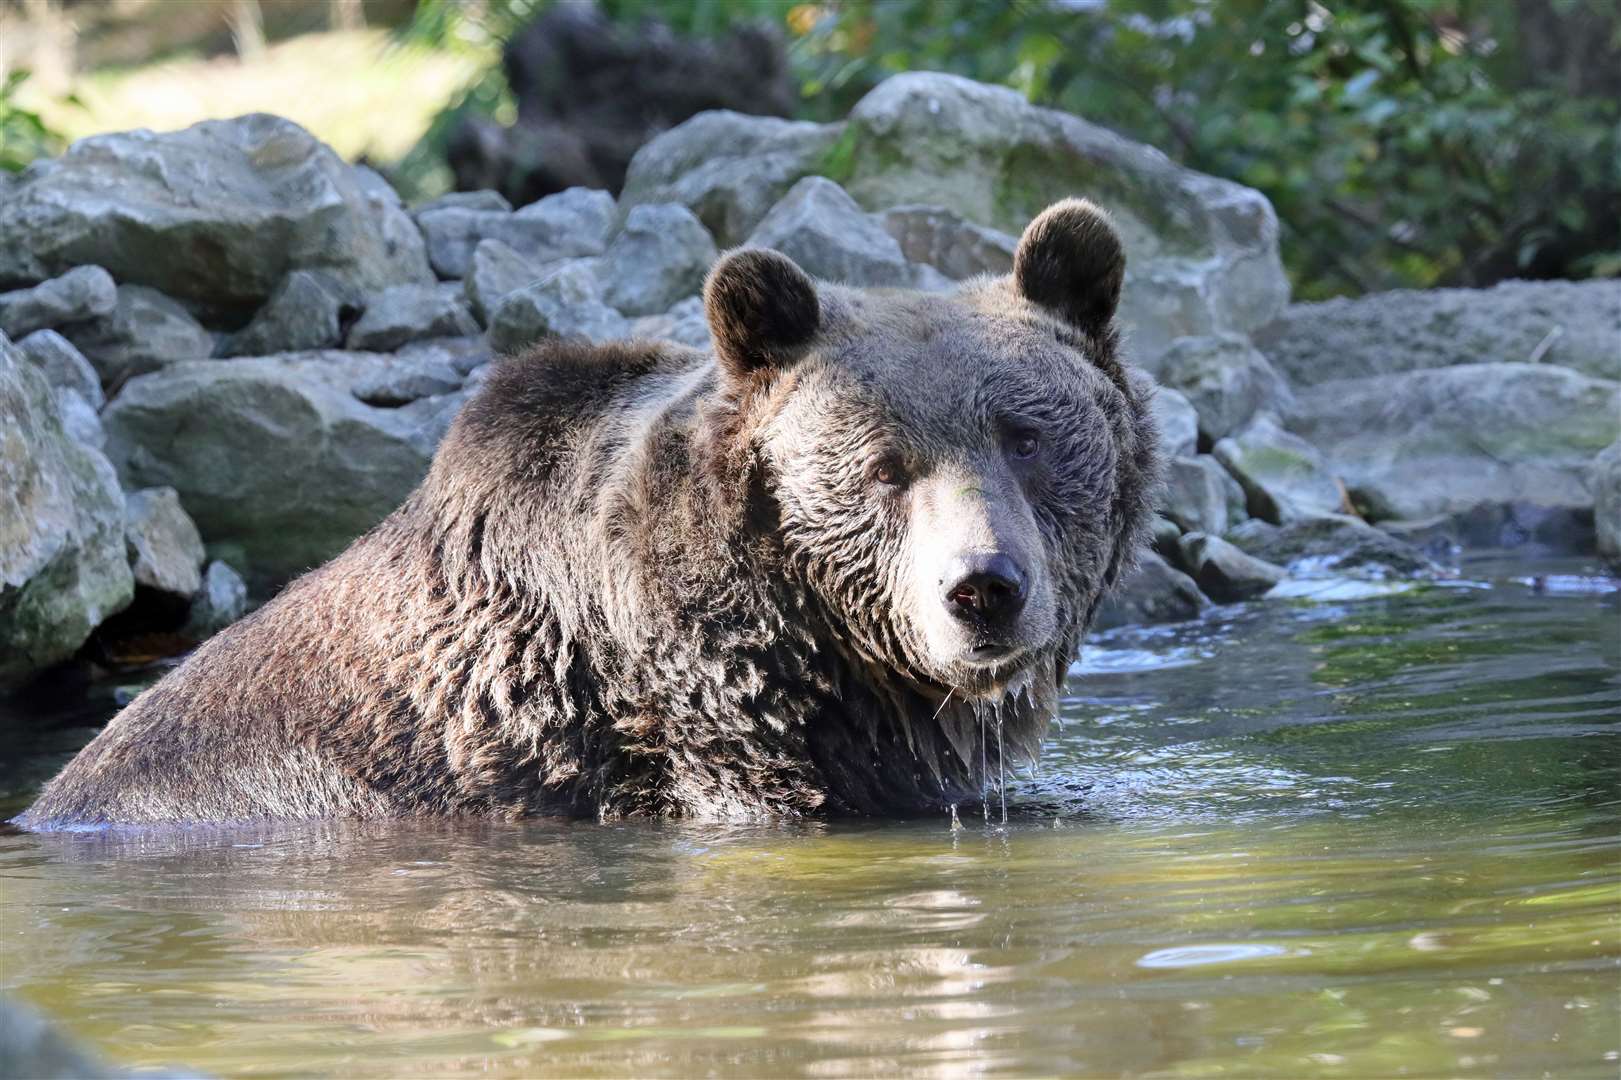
(956, 478)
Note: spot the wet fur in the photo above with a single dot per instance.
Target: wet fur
(599, 603)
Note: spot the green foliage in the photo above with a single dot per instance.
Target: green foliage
(24, 135)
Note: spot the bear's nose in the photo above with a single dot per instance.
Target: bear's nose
(989, 587)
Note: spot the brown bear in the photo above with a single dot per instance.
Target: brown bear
(841, 566)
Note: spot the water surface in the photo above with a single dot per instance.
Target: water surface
(1372, 838)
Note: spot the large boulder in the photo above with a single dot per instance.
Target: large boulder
(165, 552)
(1446, 440)
(727, 168)
(310, 309)
(1202, 253)
(1224, 572)
(1177, 420)
(217, 213)
(1607, 501)
(407, 313)
(62, 565)
(1573, 324)
(276, 459)
(1200, 495)
(566, 303)
(947, 241)
(569, 224)
(1154, 592)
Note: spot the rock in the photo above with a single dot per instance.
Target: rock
(1197, 497)
(1202, 252)
(566, 303)
(64, 366)
(1225, 573)
(79, 418)
(822, 229)
(404, 378)
(1284, 477)
(569, 224)
(276, 460)
(459, 354)
(946, 241)
(1607, 501)
(494, 271)
(145, 331)
(62, 567)
(660, 257)
(218, 213)
(727, 168)
(408, 313)
(221, 601)
(1445, 440)
(685, 324)
(310, 309)
(466, 200)
(82, 293)
(1155, 592)
(1333, 542)
(1574, 324)
(1225, 378)
(165, 552)
(1177, 420)
(405, 252)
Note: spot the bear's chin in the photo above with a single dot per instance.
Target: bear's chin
(989, 680)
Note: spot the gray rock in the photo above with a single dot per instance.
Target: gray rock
(459, 354)
(727, 168)
(466, 200)
(1284, 477)
(1178, 422)
(943, 239)
(79, 418)
(495, 271)
(219, 213)
(822, 229)
(1333, 542)
(1225, 378)
(569, 224)
(566, 303)
(221, 601)
(1445, 440)
(145, 331)
(403, 378)
(404, 250)
(1154, 592)
(308, 310)
(64, 366)
(82, 293)
(1572, 324)
(408, 313)
(1197, 495)
(1202, 252)
(1607, 501)
(661, 256)
(276, 460)
(1526, 528)
(62, 567)
(1225, 573)
(684, 324)
(165, 551)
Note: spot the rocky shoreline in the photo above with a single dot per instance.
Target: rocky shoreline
(224, 352)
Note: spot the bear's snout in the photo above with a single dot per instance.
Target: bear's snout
(985, 588)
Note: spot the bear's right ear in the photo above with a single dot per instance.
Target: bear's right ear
(762, 311)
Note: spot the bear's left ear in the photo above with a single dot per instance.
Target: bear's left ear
(1070, 260)
(762, 311)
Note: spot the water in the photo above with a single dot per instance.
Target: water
(1361, 839)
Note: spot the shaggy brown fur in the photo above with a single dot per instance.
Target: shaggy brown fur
(641, 581)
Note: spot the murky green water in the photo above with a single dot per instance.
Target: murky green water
(1369, 839)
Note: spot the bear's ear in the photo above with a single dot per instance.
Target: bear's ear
(762, 311)
(1070, 260)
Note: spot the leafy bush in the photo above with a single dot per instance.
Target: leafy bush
(24, 135)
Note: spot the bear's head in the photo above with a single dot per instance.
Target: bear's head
(954, 478)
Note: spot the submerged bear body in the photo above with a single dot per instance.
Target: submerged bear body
(807, 574)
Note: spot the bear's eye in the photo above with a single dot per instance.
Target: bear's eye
(1024, 445)
(889, 473)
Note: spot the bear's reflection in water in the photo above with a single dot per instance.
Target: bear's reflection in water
(643, 947)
